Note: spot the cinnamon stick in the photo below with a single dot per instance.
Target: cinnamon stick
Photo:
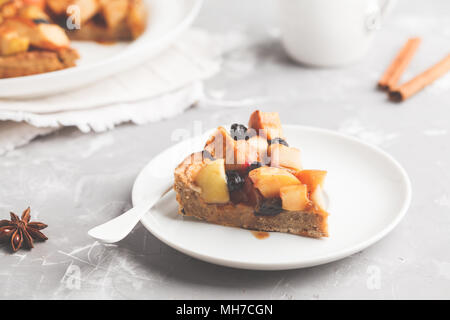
(393, 73)
(421, 81)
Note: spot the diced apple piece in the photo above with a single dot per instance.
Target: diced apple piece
(287, 157)
(12, 43)
(114, 11)
(88, 8)
(267, 124)
(237, 154)
(213, 182)
(221, 145)
(8, 9)
(137, 17)
(59, 6)
(245, 154)
(49, 36)
(312, 178)
(269, 180)
(46, 36)
(295, 197)
(38, 3)
(22, 26)
(33, 12)
(318, 198)
(260, 145)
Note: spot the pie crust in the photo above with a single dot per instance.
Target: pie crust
(310, 221)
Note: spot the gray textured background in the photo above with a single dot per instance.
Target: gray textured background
(75, 181)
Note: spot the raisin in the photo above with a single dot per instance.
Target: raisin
(269, 207)
(234, 181)
(279, 141)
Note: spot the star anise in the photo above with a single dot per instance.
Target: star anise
(19, 232)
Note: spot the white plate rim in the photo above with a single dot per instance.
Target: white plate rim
(94, 75)
(305, 262)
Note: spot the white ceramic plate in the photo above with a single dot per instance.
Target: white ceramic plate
(167, 19)
(368, 191)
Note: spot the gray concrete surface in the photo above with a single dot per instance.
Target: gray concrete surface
(75, 181)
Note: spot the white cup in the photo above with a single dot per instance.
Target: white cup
(328, 33)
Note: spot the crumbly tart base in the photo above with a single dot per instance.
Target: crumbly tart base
(309, 224)
(36, 61)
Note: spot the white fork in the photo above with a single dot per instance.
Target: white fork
(118, 228)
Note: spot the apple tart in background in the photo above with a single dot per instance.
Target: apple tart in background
(101, 20)
(29, 42)
(34, 37)
(249, 177)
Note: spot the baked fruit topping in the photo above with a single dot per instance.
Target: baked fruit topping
(295, 197)
(102, 20)
(267, 124)
(253, 181)
(29, 42)
(33, 38)
(259, 144)
(234, 181)
(269, 180)
(312, 178)
(237, 154)
(213, 182)
(287, 157)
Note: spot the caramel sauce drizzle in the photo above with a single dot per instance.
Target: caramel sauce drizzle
(260, 234)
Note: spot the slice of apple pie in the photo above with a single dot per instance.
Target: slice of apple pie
(34, 34)
(251, 178)
(29, 42)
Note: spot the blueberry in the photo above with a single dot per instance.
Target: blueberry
(269, 207)
(238, 131)
(207, 155)
(40, 20)
(279, 141)
(254, 165)
(234, 181)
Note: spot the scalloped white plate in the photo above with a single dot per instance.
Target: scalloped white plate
(167, 19)
(369, 193)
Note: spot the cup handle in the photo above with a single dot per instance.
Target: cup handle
(374, 19)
